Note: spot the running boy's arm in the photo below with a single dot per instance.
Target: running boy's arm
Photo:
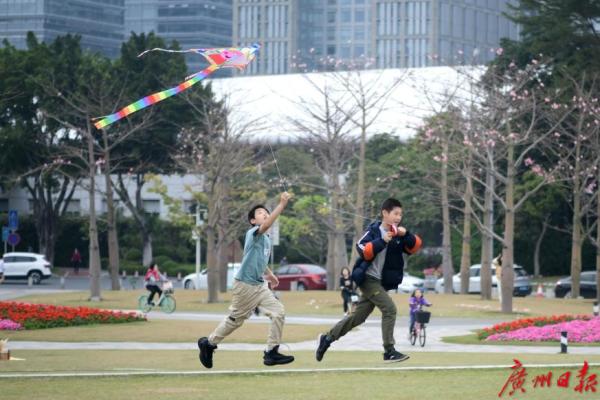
(368, 246)
(412, 243)
(283, 200)
(272, 278)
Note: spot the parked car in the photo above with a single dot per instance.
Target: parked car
(410, 283)
(522, 284)
(587, 286)
(25, 266)
(306, 276)
(200, 281)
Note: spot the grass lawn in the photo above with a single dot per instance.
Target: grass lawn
(161, 331)
(329, 303)
(426, 385)
(181, 360)
(472, 339)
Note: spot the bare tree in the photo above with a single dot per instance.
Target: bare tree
(325, 127)
(213, 147)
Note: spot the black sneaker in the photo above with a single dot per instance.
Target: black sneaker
(274, 357)
(394, 356)
(324, 343)
(206, 352)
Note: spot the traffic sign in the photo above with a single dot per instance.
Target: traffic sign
(14, 239)
(5, 233)
(13, 220)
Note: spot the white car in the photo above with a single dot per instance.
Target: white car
(200, 281)
(25, 266)
(410, 283)
(522, 285)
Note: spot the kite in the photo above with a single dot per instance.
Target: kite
(217, 58)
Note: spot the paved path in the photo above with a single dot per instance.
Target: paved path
(365, 338)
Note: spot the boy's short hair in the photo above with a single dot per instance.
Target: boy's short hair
(389, 204)
(251, 213)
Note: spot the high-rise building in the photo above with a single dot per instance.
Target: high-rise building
(192, 23)
(274, 25)
(330, 34)
(98, 22)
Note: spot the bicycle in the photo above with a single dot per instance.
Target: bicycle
(166, 302)
(419, 331)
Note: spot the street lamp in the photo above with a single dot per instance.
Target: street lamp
(196, 236)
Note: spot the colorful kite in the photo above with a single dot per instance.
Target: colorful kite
(218, 58)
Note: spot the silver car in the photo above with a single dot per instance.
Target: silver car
(522, 284)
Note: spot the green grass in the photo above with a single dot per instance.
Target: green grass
(409, 385)
(472, 339)
(180, 360)
(329, 303)
(171, 331)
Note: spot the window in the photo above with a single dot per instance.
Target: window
(331, 17)
(474, 272)
(151, 206)
(330, 50)
(346, 15)
(283, 271)
(74, 207)
(294, 271)
(359, 16)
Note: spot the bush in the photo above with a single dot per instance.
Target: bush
(133, 255)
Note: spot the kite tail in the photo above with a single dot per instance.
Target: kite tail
(154, 98)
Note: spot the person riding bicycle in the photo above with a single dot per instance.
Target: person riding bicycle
(415, 303)
(152, 279)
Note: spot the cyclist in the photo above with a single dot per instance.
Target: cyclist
(152, 279)
(415, 303)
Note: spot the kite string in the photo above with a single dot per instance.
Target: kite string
(282, 180)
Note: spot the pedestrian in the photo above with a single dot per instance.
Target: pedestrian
(347, 287)
(379, 268)
(250, 290)
(76, 260)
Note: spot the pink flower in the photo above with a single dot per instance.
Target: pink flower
(8, 325)
(499, 51)
(528, 161)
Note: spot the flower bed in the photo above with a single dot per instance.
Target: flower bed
(578, 331)
(40, 316)
(8, 325)
(527, 322)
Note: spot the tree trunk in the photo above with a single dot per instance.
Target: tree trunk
(538, 247)
(331, 277)
(360, 194)
(223, 194)
(507, 278)
(487, 243)
(94, 261)
(576, 235)
(447, 267)
(113, 239)
(465, 260)
(147, 245)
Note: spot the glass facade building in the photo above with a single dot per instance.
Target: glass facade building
(98, 22)
(192, 23)
(330, 34)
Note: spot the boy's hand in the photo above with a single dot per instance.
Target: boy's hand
(285, 197)
(273, 280)
(388, 236)
(401, 230)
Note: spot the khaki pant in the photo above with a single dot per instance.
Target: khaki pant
(372, 295)
(243, 302)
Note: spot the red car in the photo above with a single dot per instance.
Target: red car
(306, 276)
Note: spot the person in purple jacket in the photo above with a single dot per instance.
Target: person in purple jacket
(415, 303)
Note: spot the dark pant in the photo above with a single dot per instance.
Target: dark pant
(346, 296)
(154, 289)
(372, 295)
